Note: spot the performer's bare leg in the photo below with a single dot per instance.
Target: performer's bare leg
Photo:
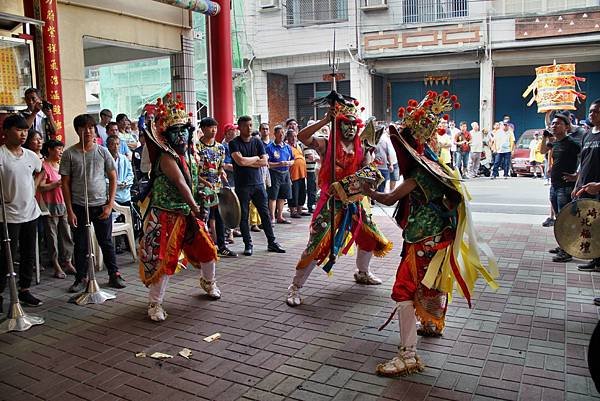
(156, 294)
(293, 297)
(363, 274)
(407, 361)
(207, 279)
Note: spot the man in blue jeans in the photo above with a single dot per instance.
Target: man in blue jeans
(504, 143)
(248, 154)
(565, 152)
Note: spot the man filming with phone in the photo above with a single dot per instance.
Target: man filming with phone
(39, 114)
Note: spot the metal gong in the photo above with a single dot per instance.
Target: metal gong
(577, 228)
(229, 208)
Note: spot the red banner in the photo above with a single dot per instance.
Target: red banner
(52, 63)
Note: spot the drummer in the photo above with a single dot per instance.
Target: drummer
(565, 152)
(588, 180)
(211, 155)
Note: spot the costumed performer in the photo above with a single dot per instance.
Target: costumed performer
(352, 221)
(434, 216)
(174, 231)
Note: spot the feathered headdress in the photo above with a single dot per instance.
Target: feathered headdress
(170, 112)
(423, 118)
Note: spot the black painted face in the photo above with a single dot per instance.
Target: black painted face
(348, 129)
(178, 136)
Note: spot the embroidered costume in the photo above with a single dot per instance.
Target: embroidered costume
(353, 223)
(440, 249)
(174, 232)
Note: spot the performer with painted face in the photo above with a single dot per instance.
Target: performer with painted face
(353, 224)
(441, 247)
(175, 231)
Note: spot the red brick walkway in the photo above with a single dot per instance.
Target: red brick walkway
(526, 341)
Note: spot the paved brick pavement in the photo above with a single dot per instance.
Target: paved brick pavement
(528, 340)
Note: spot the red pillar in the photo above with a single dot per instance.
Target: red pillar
(220, 66)
(47, 50)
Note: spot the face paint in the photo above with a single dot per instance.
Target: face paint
(177, 136)
(348, 130)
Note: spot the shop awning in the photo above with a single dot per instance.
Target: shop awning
(9, 22)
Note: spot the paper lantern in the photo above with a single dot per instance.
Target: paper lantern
(554, 88)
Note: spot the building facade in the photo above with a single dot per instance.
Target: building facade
(393, 50)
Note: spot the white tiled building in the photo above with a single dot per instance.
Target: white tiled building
(393, 50)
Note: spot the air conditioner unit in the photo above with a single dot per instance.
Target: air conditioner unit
(374, 3)
(268, 3)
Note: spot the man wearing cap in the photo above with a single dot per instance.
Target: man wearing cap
(565, 152)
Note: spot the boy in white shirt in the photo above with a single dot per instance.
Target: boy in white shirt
(19, 167)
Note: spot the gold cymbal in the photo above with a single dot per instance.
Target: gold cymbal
(577, 228)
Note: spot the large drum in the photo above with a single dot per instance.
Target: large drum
(577, 228)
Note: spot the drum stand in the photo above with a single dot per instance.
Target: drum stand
(16, 318)
(92, 294)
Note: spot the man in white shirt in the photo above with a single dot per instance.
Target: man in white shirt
(105, 118)
(504, 143)
(18, 168)
(476, 148)
(453, 132)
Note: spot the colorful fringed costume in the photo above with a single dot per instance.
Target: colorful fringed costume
(174, 231)
(353, 221)
(172, 236)
(441, 249)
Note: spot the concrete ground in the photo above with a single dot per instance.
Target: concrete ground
(526, 341)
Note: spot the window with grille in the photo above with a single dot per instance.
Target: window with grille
(306, 93)
(311, 12)
(418, 11)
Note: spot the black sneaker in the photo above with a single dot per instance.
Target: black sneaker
(597, 301)
(78, 286)
(554, 250)
(591, 266)
(248, 250)
(562, 257)
(227, 253)
(27, 299)
(549, 222)
(116, 281)
(275, 247)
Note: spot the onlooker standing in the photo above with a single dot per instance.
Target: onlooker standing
(463, 149)
(292, 124)
(565, 152)
(248, 155)
(453, 132)
(231, 131)
(393, 159)
(112, 129)
(34, 143)
(476, 148)
(99, 164)
(504, 143)
(280, 159)
(589, 171)
(298, 176)
(105, 118)
(58, 232)
(444, 141)
(39, 114)
(17, 167)
(536, 158)
(123, 169)
(210, 165)
(125, 134)
(312, 158)
(383, 156)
